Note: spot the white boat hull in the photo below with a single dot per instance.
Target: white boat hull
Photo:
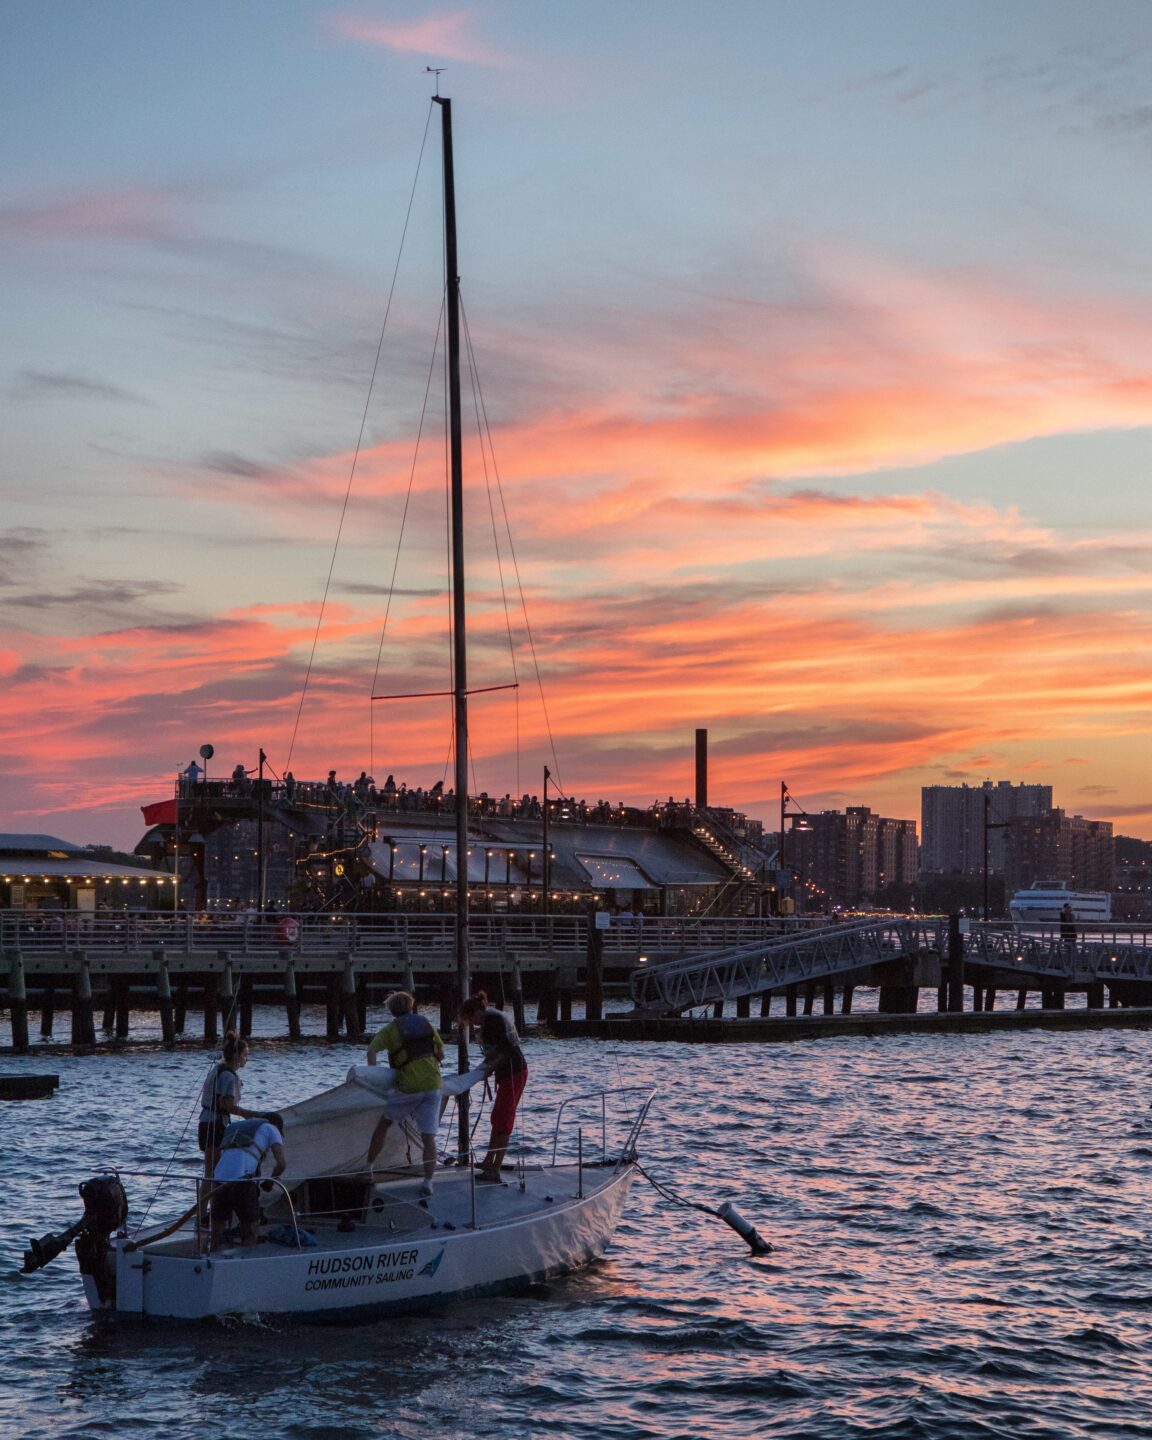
(377, 1272)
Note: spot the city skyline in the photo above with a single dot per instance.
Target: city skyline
(814, 345)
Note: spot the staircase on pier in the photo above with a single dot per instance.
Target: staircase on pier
(746, 866)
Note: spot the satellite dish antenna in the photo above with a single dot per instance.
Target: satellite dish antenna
(206, 752)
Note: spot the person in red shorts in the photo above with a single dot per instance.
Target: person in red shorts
(503, 1059)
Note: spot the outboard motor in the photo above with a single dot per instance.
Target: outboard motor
(105, 1212)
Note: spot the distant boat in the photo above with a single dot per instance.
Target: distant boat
(1042, 904)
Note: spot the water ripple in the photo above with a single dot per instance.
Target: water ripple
(959, 1226)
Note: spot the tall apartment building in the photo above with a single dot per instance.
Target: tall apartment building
(844, 858)
(952, 824)
(1079, 853)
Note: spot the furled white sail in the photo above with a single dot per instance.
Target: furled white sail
(328, 1134)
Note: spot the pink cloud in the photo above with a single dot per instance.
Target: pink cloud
(127, 213)
(448, 36)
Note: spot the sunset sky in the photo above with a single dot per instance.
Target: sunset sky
(815, 340)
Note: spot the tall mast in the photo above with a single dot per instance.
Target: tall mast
(459, 648)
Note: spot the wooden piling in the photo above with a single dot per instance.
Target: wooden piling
(518, 995)
(765, 1003)
(226, 993)
(121, 1003)
(955, 965)
(594, 974)
(83, 1020)
(1021, 999)
(829, 998)
(989, 997)
(977, 997)
(743, 1007)
(18, 1004)
(244, 1005)
(180, 1008)
(291, 1000)
(47, 1007)
(846, 1000)
(164, 999)
(809, 997)
(899, 992)
(211, 1028)
(362, 1005)
(349, 1009)
(790, 1001)
(546, 1007)
(449, 1001)
(718, 1010)
(1094, 999)
(332, 1007)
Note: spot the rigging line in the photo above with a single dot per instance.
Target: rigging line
(474, 375)
(407, 502)
(519, 581)
(473, 371)
(197, 1091)
(673, 1198)
(356, 452)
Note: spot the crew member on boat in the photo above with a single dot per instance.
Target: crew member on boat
(414, 1051)
(242, 1150)
(220, 1099)
(504, 1059)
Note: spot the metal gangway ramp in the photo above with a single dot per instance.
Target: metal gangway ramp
(776, 962)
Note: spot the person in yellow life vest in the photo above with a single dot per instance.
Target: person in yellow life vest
(414, 1051)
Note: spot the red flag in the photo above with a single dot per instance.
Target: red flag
(162, 813)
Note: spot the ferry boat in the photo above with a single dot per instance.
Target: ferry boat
(1043, 903)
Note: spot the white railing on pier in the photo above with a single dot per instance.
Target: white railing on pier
(45, 936)
(772, 964)
(1094, 954)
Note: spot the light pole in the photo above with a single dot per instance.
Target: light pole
(989, 825)
(545, 867)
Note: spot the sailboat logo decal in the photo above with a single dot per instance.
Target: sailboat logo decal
(434, 1265)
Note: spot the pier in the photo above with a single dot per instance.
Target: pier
(203, 973)
(213, 966)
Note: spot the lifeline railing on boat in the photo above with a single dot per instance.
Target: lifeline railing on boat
(195, 1212)
(602, 1096)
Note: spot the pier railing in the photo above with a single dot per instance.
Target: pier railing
(1093, 954)
(49, 940)
(1008, 951)
(779, 961)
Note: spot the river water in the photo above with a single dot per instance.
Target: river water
(960, 1227)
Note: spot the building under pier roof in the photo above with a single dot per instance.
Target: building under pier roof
(41, 872)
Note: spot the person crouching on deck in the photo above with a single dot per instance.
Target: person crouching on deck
(504, 1059)
(243, 1147)
(414, 1050)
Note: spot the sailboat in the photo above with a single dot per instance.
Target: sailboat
(343, 1238)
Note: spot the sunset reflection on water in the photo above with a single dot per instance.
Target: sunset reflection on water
(958, 1222)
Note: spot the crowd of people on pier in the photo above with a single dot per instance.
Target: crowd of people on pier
(354, 797)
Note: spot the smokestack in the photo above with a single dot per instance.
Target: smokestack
(701, 769)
